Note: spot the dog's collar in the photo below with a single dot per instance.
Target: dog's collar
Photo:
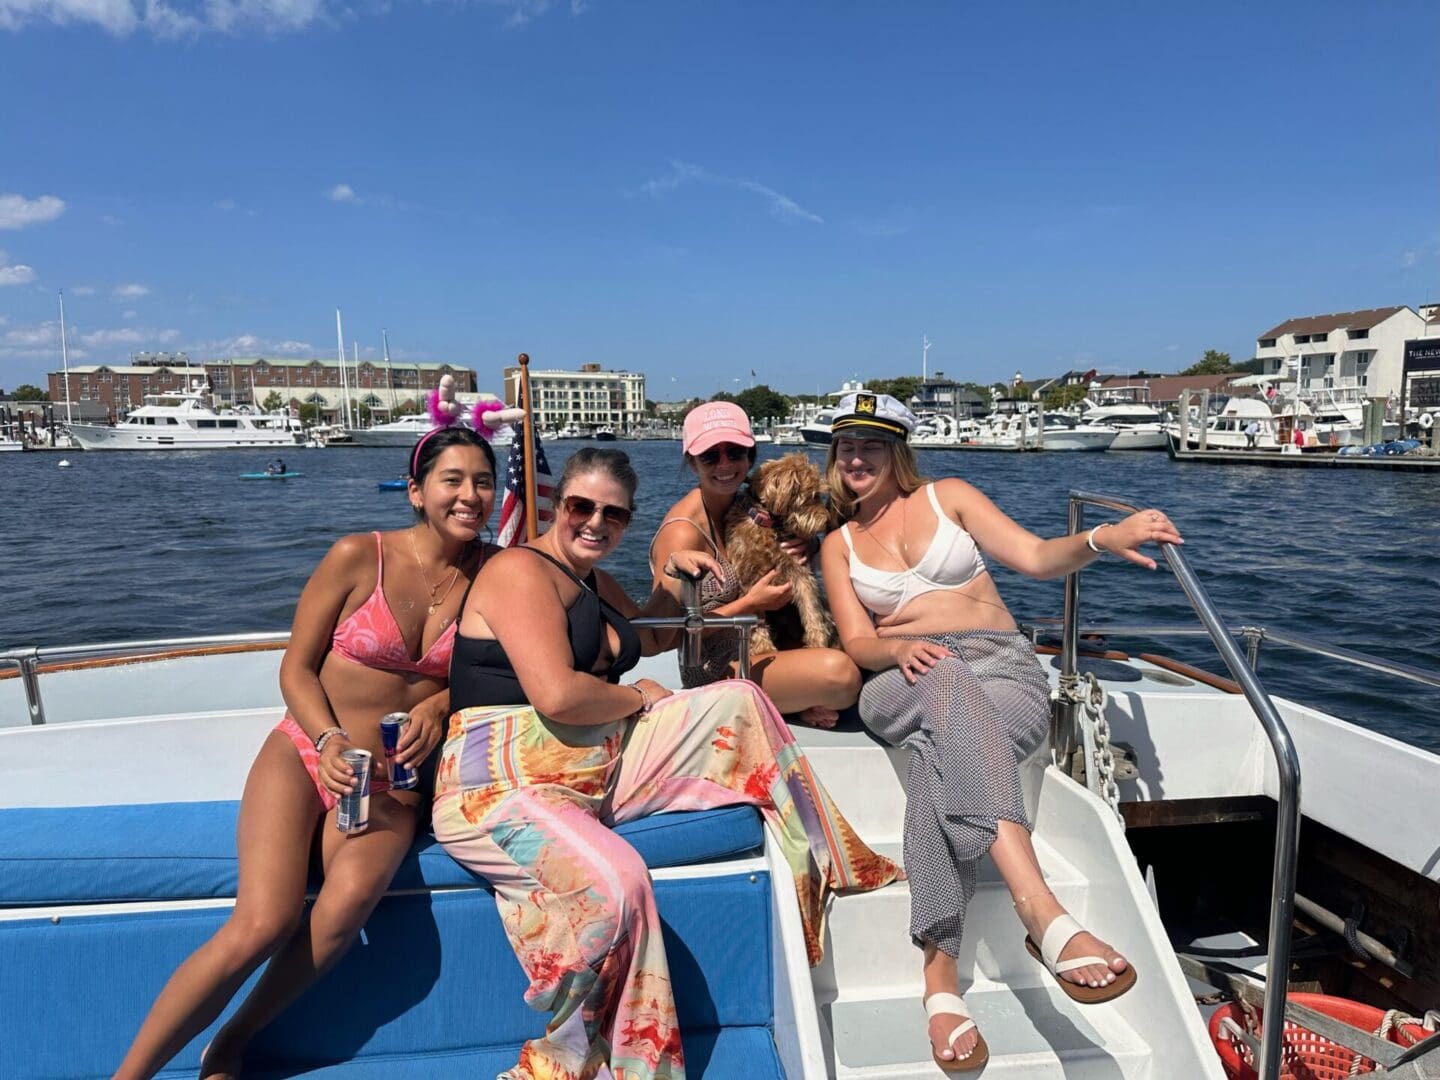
(762, 517)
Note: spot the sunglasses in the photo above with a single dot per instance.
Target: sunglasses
(731, 452)
(582, 509)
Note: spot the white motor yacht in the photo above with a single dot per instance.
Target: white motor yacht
(184, 420)
(1139, 426)
(1226, 429)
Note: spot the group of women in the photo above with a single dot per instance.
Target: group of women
(510, 663)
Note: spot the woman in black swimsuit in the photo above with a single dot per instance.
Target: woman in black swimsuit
(548, 749)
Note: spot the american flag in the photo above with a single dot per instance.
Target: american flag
(512, 510)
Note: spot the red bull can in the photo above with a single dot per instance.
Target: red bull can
(352, 813)
(392, 726)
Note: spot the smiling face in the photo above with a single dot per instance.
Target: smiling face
(457, 494)
(583, 539)
(863, 464)
(722, 469)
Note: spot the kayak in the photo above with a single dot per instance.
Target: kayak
(392, 485)
(270, 476)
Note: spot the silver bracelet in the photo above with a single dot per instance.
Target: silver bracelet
(328, 734)
(1090, 540)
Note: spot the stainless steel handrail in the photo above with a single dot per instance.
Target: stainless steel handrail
(1287, 761)
(1256, 634)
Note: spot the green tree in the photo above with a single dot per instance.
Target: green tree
(272, 401)
(310, 413)
(760, 402)
(1212, 363)
(902, 388)
(1060, 397)
(27, 392)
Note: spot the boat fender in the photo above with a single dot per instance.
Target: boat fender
(1427, 421)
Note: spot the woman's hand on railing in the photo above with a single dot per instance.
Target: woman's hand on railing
(1126, 538)
(693, 564)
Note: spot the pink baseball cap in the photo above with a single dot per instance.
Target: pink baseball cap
(714, 423)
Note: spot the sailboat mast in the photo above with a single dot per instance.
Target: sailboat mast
(344, 379)
(64, 357)
(355, 349)
(389, 374)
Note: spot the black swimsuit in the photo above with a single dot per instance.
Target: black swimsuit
(481, 673)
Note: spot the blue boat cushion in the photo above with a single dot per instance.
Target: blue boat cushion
(173, 851)
(431, 988)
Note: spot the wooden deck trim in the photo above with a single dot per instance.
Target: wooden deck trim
(1200, 675)
(145, 658)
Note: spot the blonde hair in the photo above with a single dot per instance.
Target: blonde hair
(899, 462)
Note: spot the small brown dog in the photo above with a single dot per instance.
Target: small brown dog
(786, 499)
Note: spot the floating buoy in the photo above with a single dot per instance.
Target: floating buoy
(1427, 421)
(64, 463)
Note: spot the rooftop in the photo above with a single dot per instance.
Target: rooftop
(1342, 320)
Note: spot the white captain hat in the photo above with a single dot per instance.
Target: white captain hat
(863, 415)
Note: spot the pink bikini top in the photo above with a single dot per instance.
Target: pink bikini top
(371, 637)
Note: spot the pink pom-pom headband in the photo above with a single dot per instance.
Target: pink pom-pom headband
(445, 412)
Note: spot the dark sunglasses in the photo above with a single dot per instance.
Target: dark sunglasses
(583, 509)
(731, 452)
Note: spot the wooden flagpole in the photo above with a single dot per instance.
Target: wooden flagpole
(532, 512)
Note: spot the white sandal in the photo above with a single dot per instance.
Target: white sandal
(1057, 936)
(954, 1005)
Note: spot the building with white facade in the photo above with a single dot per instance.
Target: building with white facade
(1356, 355)
(586, 399)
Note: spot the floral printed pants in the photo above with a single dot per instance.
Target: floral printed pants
(528, 804)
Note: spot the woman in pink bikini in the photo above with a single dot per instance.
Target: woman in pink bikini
(373, 634)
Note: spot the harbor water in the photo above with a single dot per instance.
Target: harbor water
(169, 544)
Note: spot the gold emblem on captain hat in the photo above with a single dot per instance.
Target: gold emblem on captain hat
(865, 403)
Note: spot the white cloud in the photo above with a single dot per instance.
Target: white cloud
(250, 345)
(130, 313)
(14, 273)
(16, 211)
(132, 291)
(83, 290)
(681, 172)
(29, 337)
(107, 219)
(226, 205)
(1409, 259)
(127, 335)
(342, 193)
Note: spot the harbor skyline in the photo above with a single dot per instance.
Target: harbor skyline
(685, 192)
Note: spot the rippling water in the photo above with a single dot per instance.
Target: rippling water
(124, 546)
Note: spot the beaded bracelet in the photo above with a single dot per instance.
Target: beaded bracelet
(645, 701)
(328, 734)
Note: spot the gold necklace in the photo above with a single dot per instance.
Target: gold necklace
(434, 603)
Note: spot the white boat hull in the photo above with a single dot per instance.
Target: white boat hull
(127, 437)
(1150, 437)
(1076, 439)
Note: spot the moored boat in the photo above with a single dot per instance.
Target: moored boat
(184, 420)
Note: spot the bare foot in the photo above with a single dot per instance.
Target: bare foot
(819, 716)
(941, 1025)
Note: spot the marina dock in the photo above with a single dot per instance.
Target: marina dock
(1323, 459)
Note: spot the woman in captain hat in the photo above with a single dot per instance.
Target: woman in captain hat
(949, 675)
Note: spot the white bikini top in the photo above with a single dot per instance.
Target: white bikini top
(951, 560)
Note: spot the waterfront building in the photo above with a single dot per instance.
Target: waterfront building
(580, 400)
(1163, 391)
(1356, 354)
(117, 388)
(938, 394)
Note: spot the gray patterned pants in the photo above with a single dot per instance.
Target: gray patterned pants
(968, 723)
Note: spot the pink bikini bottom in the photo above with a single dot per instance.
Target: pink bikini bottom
(311, 760)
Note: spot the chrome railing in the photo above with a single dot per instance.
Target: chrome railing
(29, 659)
(1254, 636)
(1287, 761)
(694, 623)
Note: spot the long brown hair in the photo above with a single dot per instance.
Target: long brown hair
(899, 462)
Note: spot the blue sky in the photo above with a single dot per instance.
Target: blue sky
(695, 189)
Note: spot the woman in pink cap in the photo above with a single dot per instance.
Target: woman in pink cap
(811, 683)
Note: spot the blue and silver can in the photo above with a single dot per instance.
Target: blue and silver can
(392, 726)
(352, 814)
